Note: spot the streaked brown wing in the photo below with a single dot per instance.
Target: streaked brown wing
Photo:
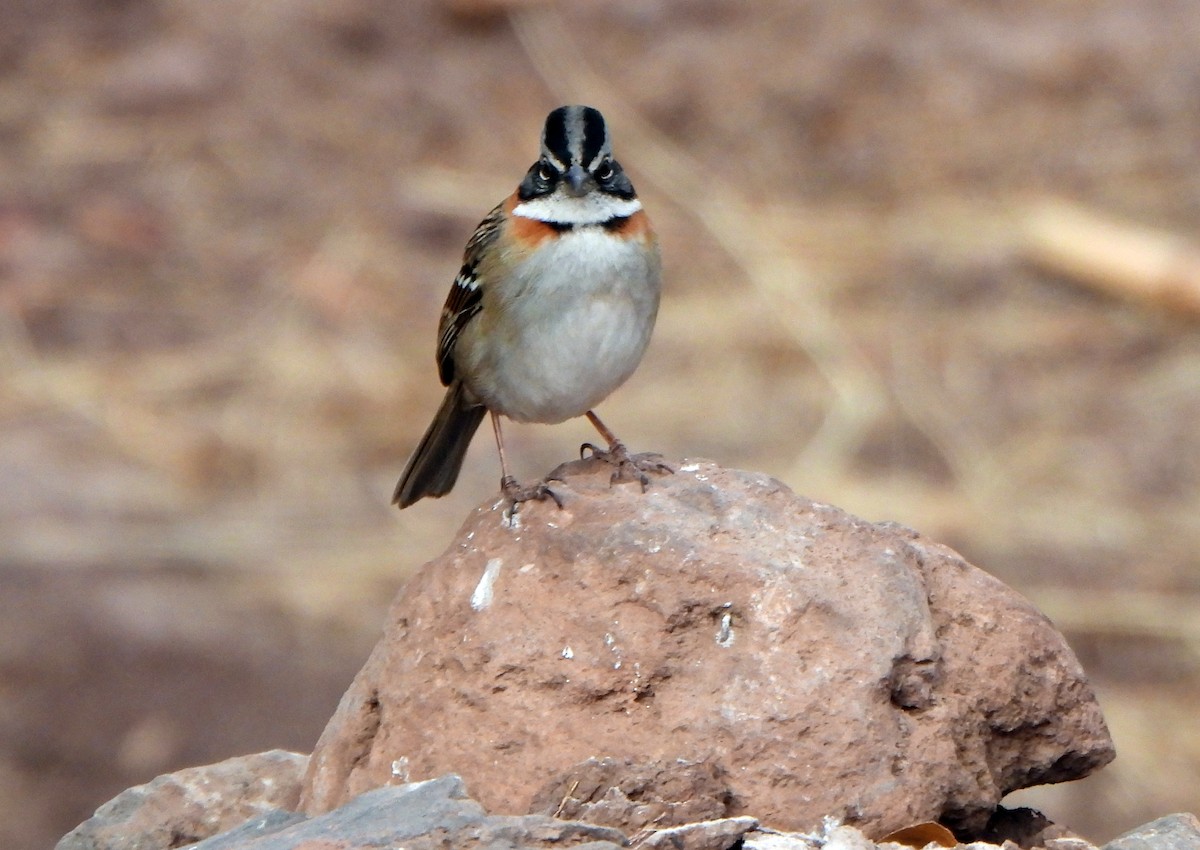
(466, 295)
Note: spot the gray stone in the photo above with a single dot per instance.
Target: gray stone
(1173, 832)
(375, 819)
(239, 836)
(426, 815)
(183, 807)
(705, 835)
(1069, 843)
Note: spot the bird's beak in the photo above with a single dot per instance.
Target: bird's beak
(578, 181)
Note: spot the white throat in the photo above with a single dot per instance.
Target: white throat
(592, 208)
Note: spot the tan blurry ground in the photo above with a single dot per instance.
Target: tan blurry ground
(226, 230)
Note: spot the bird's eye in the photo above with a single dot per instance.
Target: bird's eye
(545, 172)
(605, 171)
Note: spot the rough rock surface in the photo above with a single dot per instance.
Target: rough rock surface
(427, 815)
(705, 835)
(622, 792)
(824, 665)
(1173, 832)
(184, 807)
(437, 813)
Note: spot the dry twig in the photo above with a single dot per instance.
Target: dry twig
(1119, 258)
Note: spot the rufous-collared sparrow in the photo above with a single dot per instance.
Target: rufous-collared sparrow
(551, 311)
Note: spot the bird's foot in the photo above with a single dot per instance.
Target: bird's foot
(517, 493)
(628, 466)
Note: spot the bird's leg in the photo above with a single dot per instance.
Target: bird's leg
(626, 465)
(509, 486)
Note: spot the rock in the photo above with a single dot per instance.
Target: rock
(374, 819)
(824, 664)
(180, 808)
(984, 845)
(778, 841)
(1067, 843)
(251, 830)
(832, 835)
(706, 835)
(628, 795)
(1173, 832)
(842, 837)
(418, 816)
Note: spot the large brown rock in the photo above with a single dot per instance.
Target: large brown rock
(821, 664)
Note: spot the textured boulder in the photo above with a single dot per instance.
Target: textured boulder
(180, 808)
(821, 664)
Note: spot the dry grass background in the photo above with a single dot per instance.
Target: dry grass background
(226, 230)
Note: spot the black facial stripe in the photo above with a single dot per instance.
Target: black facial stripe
(594, 135)
(618, 184)
(554, 136)
(533, 185)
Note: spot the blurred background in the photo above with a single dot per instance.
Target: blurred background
(907, 246)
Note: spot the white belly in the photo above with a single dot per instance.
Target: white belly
(569, 333)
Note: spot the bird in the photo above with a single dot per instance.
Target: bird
(551, 311)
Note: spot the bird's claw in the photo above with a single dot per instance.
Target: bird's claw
(517, 493)
(626, 465)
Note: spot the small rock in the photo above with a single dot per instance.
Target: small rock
(846, 838)
(1072, 843)
(376, 819)
(770, 840)
(1173, 832)
(429, 815)
(832, 835)
(183, 807)
(532, 831)
(706, 835)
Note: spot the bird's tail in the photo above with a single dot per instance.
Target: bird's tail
(433, 467)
